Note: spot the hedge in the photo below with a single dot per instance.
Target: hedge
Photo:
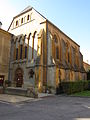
(76, 86)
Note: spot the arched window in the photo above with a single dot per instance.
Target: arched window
(21, 47)
(17, 23)
(68, 56)
(25, 51)
(56, 47)
(57, 53)
(28, 17)
(35, 43)
(55, 39)
(21, 20)
(16, 53)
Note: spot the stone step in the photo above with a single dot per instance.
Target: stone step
(15, 91)
(20, 92)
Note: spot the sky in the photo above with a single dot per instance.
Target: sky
(70, 16)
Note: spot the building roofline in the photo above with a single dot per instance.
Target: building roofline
(22, 13)
(86, 63)
(46, 20)
(57, 28)
(5, 31)
(10, 25)
(62, 32)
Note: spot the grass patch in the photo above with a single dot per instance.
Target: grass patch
(83, 93)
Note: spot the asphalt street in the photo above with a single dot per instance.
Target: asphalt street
(49, 108)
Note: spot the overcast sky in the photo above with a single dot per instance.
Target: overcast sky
(71, 16)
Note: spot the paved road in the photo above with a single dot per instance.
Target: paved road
(50, 108)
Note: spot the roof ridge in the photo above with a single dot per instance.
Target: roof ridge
(26, 9)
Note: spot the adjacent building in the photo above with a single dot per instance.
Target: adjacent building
(5, 38)
(87, 69)
(86, 66)
(41, 54)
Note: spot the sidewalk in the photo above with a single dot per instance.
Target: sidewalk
(44, 95)
(18, 99)
(14, 98)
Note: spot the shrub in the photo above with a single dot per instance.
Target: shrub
(88, 84)
(75, 86)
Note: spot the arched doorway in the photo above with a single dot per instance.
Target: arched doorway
(19, 77)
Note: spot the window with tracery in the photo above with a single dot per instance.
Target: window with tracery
(56, 47)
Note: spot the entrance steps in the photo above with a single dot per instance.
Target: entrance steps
(20, 91)
(15, 91)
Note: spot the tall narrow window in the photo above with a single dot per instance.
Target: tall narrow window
(25, 51)
(16, 53)
(28, 17)
(21, 20)
(56, 47)
(68, 57)
(17, 23)
(21, 51)
(57, 53)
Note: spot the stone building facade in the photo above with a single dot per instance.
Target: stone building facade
(86, 66)
(5, 38)
(87, 69)
(41, 54)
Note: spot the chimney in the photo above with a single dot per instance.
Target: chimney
(0, 24)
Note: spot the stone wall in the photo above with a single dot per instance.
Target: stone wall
(5, 38)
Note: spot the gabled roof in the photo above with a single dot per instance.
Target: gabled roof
(30, 8)
(24, 11)
(5, 32)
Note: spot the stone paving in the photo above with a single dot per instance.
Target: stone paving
(16, 99)
(13, 98)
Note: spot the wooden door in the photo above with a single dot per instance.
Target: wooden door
(19, 78)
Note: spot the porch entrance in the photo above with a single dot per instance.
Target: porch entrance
(19, 77)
